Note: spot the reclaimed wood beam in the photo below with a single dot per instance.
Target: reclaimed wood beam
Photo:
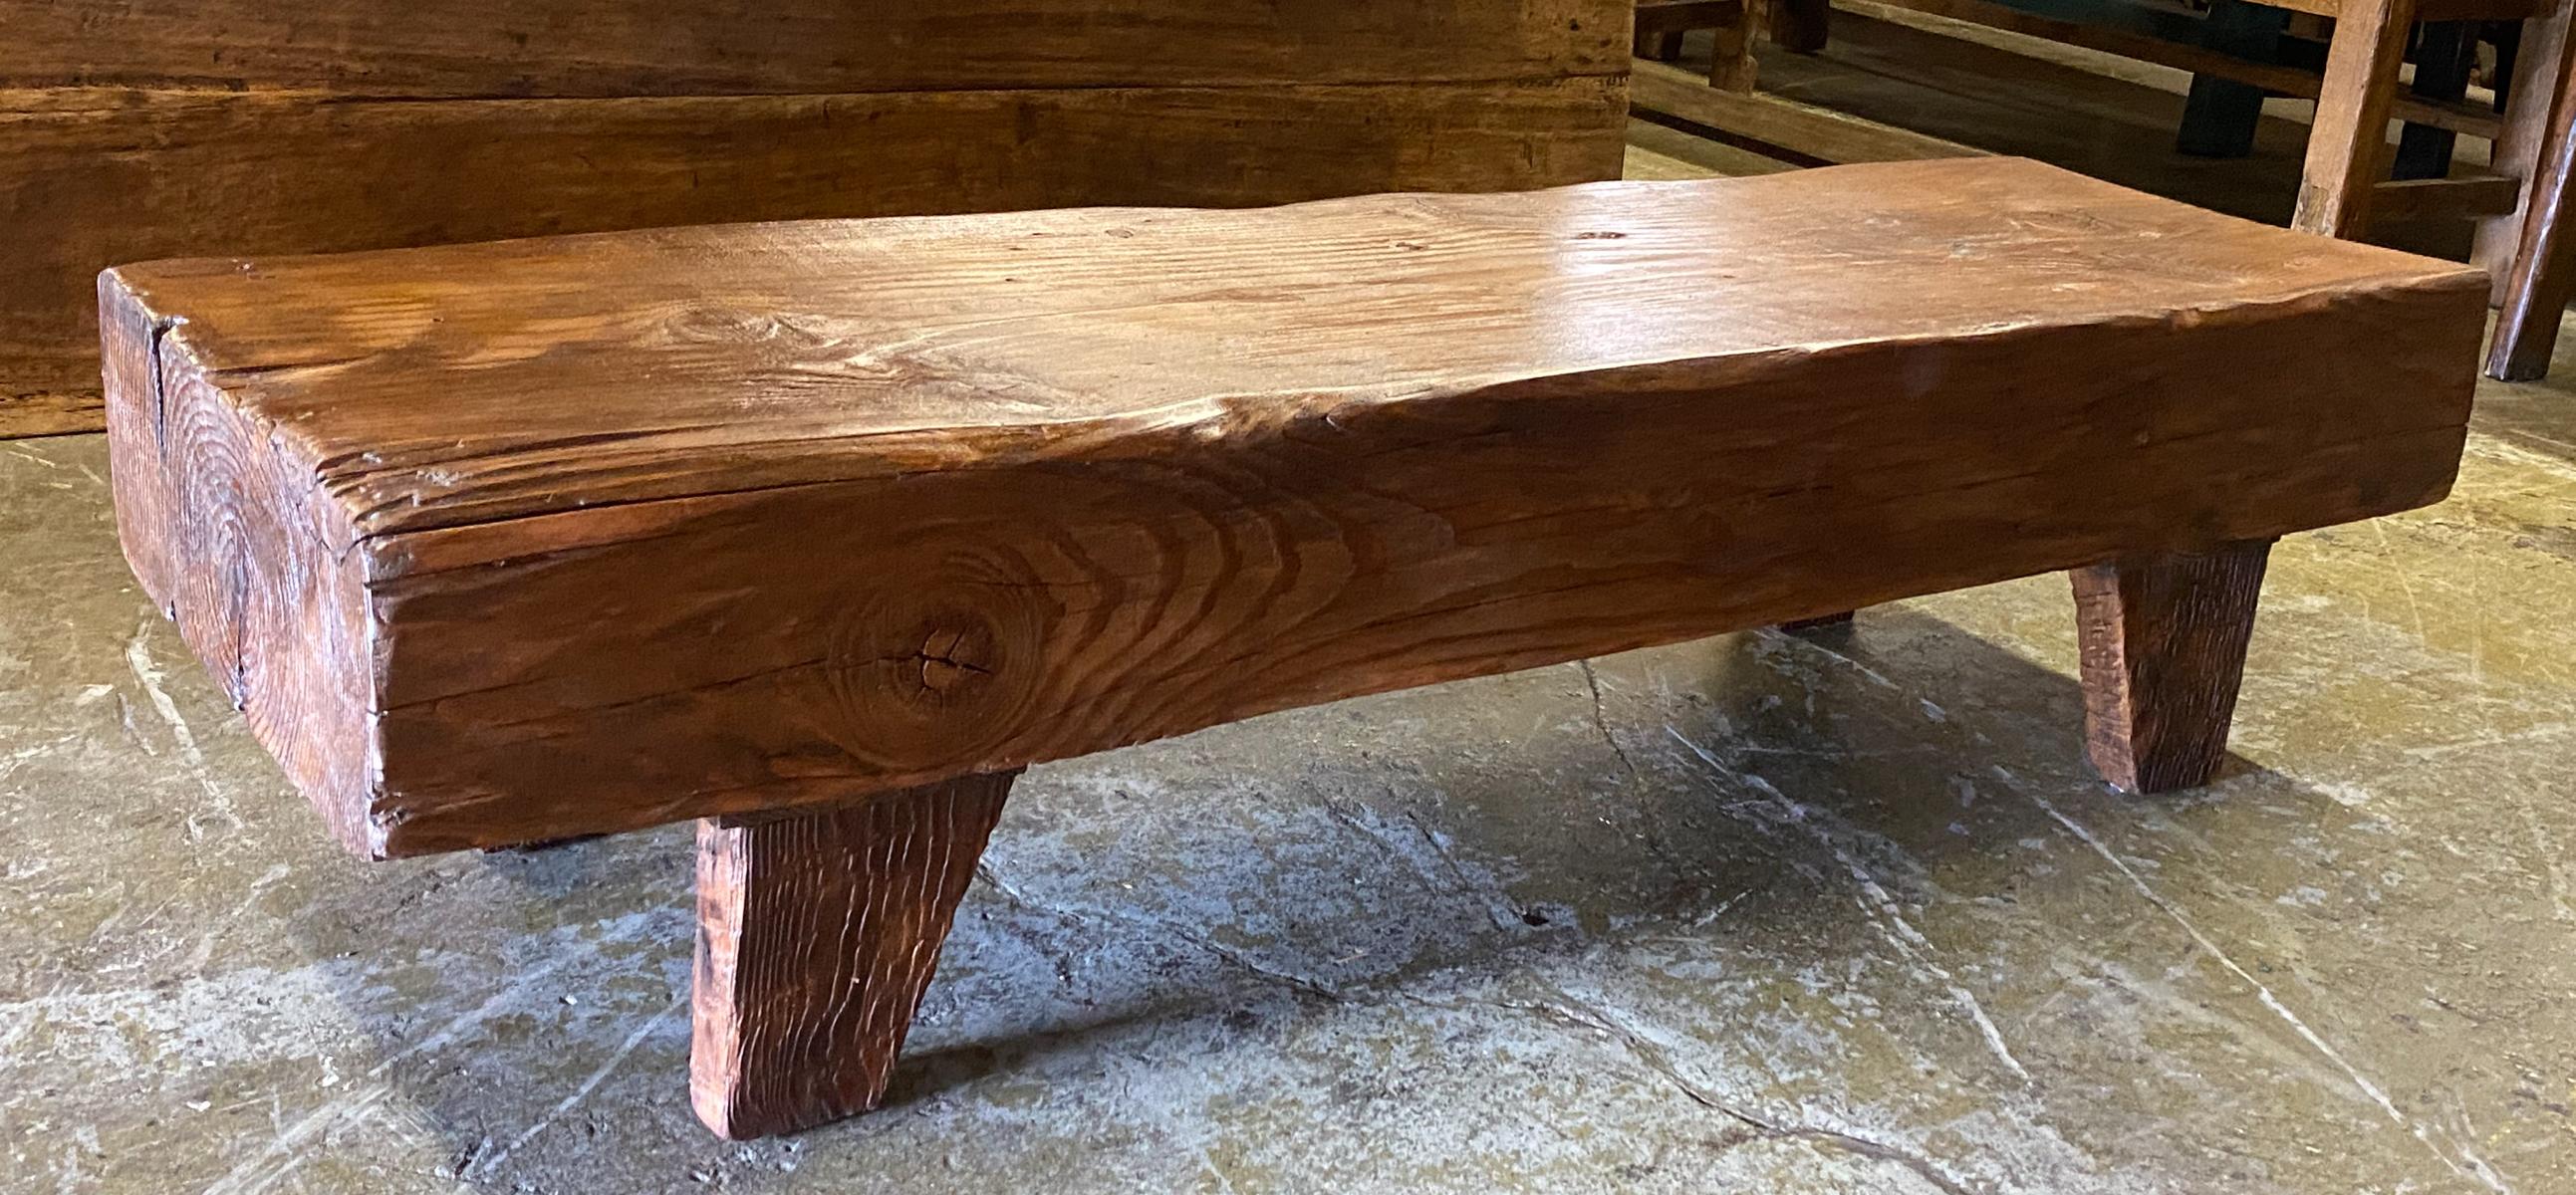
(519, 541)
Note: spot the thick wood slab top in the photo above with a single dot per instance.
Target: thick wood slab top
(435, 387)
(527, 540)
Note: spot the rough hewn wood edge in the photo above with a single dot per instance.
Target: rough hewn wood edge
(817, 935)
(2163, 642)
(2401, 461)
(229, 541)
(405, 537)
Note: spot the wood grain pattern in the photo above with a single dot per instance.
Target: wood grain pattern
(51, 413)
(607, 48)
(2163, 642)
(2395, 201)
(90, 179)
(662, 525)
(817, 935)
(2348, 139)
(205, 505)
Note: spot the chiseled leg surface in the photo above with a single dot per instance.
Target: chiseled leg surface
(2163, 640)
(816, 935)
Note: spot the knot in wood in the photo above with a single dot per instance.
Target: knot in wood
(938, 670)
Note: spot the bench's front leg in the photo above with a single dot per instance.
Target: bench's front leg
(2163, 640)
(817, 933)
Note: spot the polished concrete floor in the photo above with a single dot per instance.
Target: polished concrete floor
(1759, 913)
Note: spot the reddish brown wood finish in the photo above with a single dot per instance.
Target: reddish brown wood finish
(817, 934)
(90, 179)
(520, 541)
(822, 530)
(2343, 192)
(2163, 646)
(531, 49)
(139, 129)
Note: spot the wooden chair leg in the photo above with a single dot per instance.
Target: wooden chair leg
(2530, 99)
(2221, 116)
(2443, 56)
(1662, 47)
(1801, 26)
(1730, 63)
(2541, 279)
(2163, 646)
(2348, 140)
(816, 935)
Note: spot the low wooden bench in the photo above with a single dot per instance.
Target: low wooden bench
(820, 532)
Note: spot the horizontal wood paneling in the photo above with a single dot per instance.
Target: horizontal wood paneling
(721, 47)
(49, 413)
(89, 179)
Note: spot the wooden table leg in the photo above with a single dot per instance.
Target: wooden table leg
(2163, 643)
(816, 935)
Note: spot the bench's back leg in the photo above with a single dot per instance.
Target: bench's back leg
(2163, 641)
(816, 935)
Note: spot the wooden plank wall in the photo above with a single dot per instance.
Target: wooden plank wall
(135, 129)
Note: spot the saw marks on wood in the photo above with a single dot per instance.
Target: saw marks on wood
(2163, 650)
(816, 937)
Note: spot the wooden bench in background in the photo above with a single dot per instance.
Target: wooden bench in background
(2351, 182)
(819, 532)
(140, 130)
